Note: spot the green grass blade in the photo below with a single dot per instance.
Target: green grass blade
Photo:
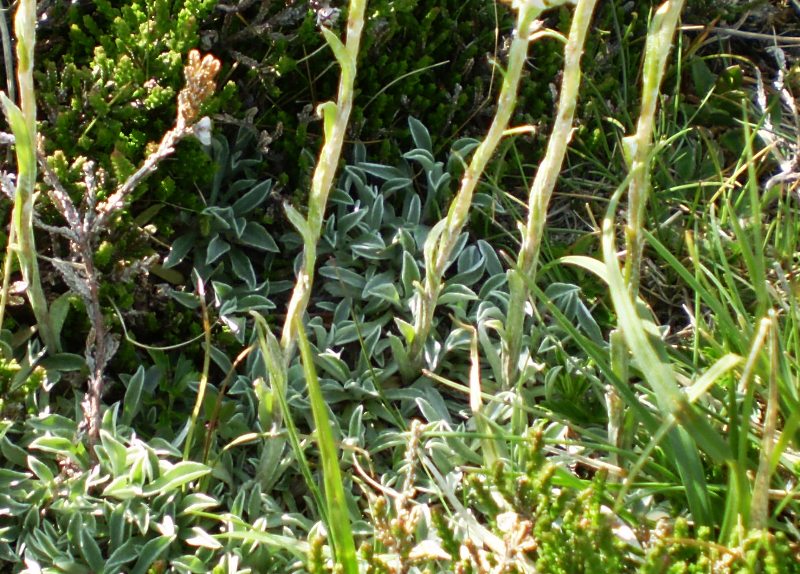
(273, 357)
(339, 524)
(658, 374)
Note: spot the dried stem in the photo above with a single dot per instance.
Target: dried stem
(84, 228)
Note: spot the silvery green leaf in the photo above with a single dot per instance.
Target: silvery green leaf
(400, 356)
(412, 210)
(202, 539)
(40, 469)
(228, 307)
(356, 428)
(236, 325)
(486, 202)
(438, 181)
(460, 150)
(371, 333)
(384, 172)
(53, 424)
(409, 273)
(116, 451)
(255, 303)
(256, 236)
(340, 197)
(493, 265)
(150, 552)
(58, 312)
(466, 454)
(179, 249)
(243, 268)
(406, 240)
(12, 478)
(423, 157)
(351, 220)
(343, 275)
(222, 292)
(382, 287)
(457, 339)
(375, 214)
(468, 259)
(461, 242)
(239, 186)
(253, 198)
(223, 216)
(470, 269)
(420, 134)
(126, 552)
(329, 235)
(567, 297)
(395, 184)
(334, 366)
(369, 246)
(217, 247)
(220, 359)
(355, 176)
(63, 362)
(239, 224)
(15, 455)
(431, 414)
(456, 293)
(274, 287)
(492, 284)
(342, 311)
(346, 333)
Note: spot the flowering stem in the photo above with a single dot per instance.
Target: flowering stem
(335, 119)
(542, 188)
(444, 235)
(637, 147)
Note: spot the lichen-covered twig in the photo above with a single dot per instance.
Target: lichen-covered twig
(83, 229)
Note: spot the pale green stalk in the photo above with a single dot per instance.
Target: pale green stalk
(637, 147)
(614, 403)
(335, 118)
(277, 356)
(444, 235)
(759, 509)
(543, 185)
(203, 383)
(22, 120)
